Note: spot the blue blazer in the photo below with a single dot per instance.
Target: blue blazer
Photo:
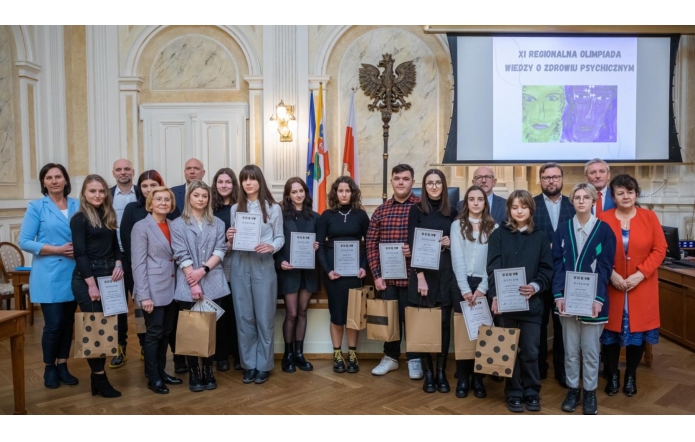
(541, 218)
(51, 275)
(608, 203)
(498, 209)
(180, 197)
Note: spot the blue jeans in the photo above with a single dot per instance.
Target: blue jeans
(59, 318)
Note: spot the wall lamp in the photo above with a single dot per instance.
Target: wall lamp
(281, 117)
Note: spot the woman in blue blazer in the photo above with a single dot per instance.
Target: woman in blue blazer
(46, 234)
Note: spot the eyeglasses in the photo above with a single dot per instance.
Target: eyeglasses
(162, 200)
(483, 177)
(433, 184)
(554, 178)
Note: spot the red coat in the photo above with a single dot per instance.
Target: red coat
(646, 252)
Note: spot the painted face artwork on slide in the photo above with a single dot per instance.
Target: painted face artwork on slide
(542, 111)
(591, 115)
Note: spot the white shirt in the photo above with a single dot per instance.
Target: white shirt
(64, 212)
(553, 209)
(582, 232)
(468, 258)
(120, 200)
(271, 232)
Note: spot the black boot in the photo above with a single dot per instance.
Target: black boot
(299, 359)
(101, 385)
(630, 386)
(590, 406)
(65, 376)
(572, 399)
(428, 385)
(440, 377)
(462, 385)
(288, 359)
(195, 383)
(478, 386)
(613, 385)
(209, 382)
(50, 377)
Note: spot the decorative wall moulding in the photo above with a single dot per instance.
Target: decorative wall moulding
(130, 84)
(28, 69)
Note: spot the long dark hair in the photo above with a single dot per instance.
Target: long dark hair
(525, 199)
(487, 223)
(217, 200)
(44, 171)
(147, 175)
(253, 172)
(288, 210)
(355, 194)
(424, 205)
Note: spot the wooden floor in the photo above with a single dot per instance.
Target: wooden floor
(666, 388)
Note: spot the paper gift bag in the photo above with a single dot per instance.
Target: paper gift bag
(140, 326)
(357, 307)
(96, 335)
(195, 333)
(463, 346)
(495, 350)
(383, 322)
(423, 330)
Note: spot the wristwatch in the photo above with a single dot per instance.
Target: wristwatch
(206, 268)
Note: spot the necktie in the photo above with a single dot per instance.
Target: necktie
(599, 204)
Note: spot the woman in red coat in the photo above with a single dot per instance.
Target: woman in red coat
(633, 316)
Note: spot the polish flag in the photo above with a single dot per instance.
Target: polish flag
(350, 159)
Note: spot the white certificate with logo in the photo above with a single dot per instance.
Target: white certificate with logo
(476, 316)
(112, 293)
(302, 254)
(346, 258)
(580, 293)
(248, 231)
(507, 283)
(392, 261)
(426, 249)
(208, 305)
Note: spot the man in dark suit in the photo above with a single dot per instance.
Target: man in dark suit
(552, 209)
(598, 174)
(484, 177)
(193, 170)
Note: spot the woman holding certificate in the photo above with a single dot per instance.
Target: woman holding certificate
(430, 283)
(297, 274)
(154, 279)
(469, 239)
(633, 318)
(199, 246)
(339, 231)
(97, 254)
(519, 247)
(256, 234)
(583, 254)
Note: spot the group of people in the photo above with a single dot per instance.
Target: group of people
(173, 246)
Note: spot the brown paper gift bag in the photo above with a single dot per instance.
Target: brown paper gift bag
(383, 321)
(496, 349)
(140, 326)
(423, 330)
(195, 333)
(96, 335)
(357, 307)
(463, 346)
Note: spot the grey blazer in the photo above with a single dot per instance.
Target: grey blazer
(154, 271)
(196, 247)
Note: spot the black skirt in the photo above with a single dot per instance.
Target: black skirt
(337, 291)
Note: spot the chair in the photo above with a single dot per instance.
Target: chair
(10, 258)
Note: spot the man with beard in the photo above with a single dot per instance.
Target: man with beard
(552, 209)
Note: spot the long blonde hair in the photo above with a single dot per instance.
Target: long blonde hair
(104, 215)
(207, 211)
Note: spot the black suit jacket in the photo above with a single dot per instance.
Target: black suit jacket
(498, 209)
(541, 218)
(180, 197)
(137, 191)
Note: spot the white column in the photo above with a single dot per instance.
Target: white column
(28, 78)
(129, 89)
(105, 145)
(255, 93)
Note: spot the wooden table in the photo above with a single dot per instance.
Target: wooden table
(19, 278)
(677, 304)
(12, 327)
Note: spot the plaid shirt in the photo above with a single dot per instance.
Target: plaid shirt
(389, 224)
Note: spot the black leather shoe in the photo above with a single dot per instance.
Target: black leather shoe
(590, 406)
(630, 387)
(571, 401)
(515, 405)
(262, 376)
(441, 381)
(65, 376)
(613, 385)
(299, 359)
(195, 383)
(532, 403)
(180, 365)
(428, 386)
(209, 381)
(478, 386)
(287, 362)
(50, 377)
(158, 387)
(462, 388)
(223, 366)
(353, 365)
(250, 376)
(338, 362)
(119, 359)
(171, 380)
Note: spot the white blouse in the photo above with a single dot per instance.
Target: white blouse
(468, 258)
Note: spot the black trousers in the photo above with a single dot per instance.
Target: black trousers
(392, 293)
(525, 380)
(223, 334)
(59, 319)
(558, 343)
(192, 361)
(159, 324)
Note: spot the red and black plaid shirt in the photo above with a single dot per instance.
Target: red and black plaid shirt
(389, 224)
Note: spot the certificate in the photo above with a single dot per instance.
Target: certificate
(476, 316)
(112, 293)
(580, 293)
(302, 255)
(392, 261)
(248, 231)
(207, 305)
(426, 249)
(346, 258)
(507, 282)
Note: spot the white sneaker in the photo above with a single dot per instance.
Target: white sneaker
(415, 369)
(387, 364)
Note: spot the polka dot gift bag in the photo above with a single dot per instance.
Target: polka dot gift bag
(495, 350)
(96, 335)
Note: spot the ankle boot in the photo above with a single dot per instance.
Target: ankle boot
(288, 359)
(101, 385)
(50, 377)
(195, 383)
(208, 381)
(428, 385)
(589, 405)
(478, 386)
(630, 386)
(440, 377)
(299, 359)
(65, 376)
(613, 385)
